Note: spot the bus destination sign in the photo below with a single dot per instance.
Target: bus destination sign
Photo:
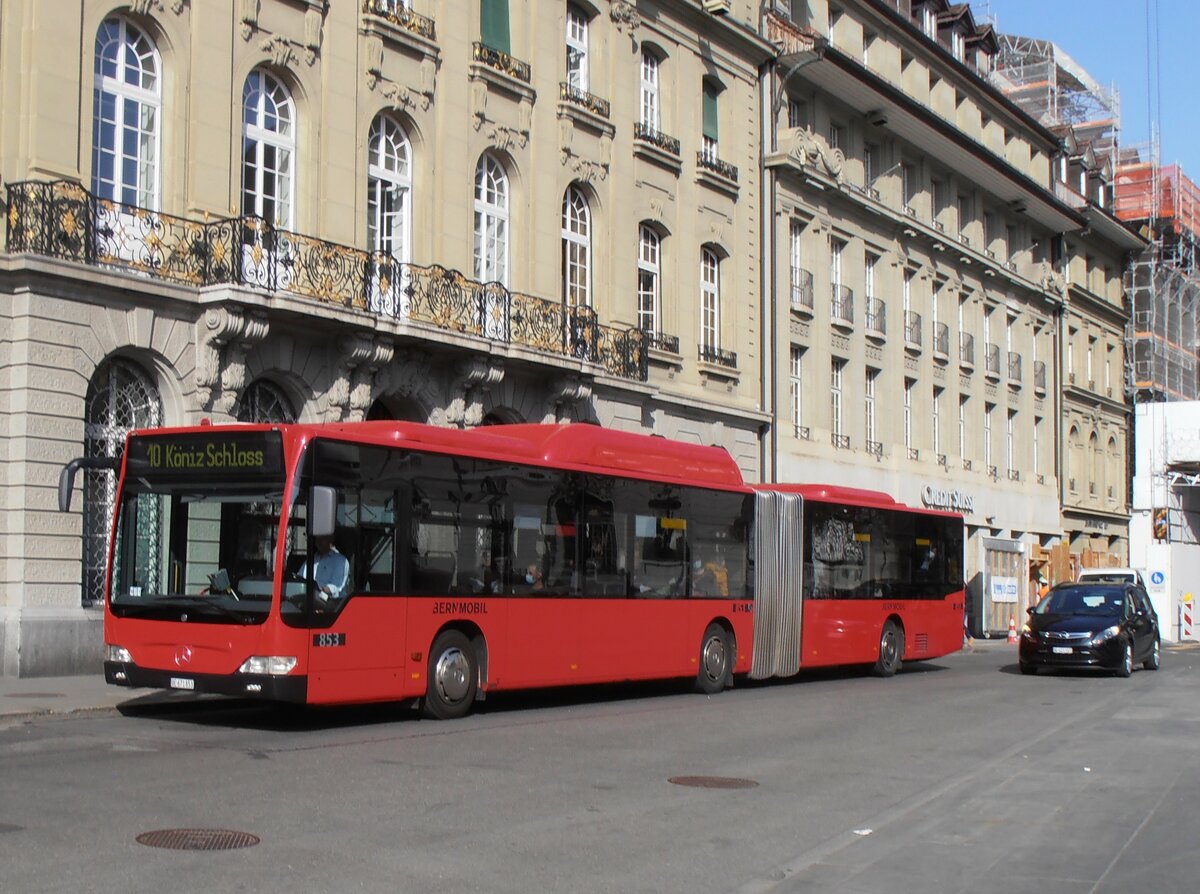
(205, 455)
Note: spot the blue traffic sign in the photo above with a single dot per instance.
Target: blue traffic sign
(1157, 577)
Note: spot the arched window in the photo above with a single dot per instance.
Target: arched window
(389, 189)
(1074, 448)
(127, 106)
(576, 249)
(268, 149)
(263, 401)
(491, 221)
(1095, 467)
(649, 280)
(120, 398)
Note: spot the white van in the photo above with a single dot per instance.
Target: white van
(1112, 575)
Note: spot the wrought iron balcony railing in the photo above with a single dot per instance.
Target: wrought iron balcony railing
(875, 448)
(991, 362)
(912, 328)
(61, 219)
(1014, 474)
(709, 162)
(803, 432)
(875, 316)
(719, 356)
(941, 340)
(914, 453)
(1014, 368)
(841, 306)
(966, 350)
(968, 465)
(501, 61)
(661, 341)
(398, 13)
(576, 97)
(802, 289)
(841, 442)
(1039, 376)
(993, 472)
(648, 134)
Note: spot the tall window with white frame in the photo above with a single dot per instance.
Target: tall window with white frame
(1037, 459)
(127, 115)
(872, 308)
(491, 221)
(710, 304)
(576, 249)
(389, 209)
(710, 149)
(1010, 435)
(840, 309)
(796, 391)
(268, 149)
(836, 368)
(649, 278)
(651, 118)
(936, 425)
(988, 412)
(909, 386)
(869, 432)
(577, 48)
(801, 282)
(963, 454)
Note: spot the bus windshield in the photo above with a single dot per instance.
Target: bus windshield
(197, 528)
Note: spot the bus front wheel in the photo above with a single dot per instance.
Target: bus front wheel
(716, 659)
(891, 650)
(453, 676)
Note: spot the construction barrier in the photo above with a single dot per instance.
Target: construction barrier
(1186, 629)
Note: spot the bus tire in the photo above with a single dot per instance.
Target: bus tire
(453, 676)
(891, 650)
(716, 660)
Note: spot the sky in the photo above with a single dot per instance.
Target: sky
(1149, 50)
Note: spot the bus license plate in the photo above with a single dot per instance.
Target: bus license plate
(1063, 650)
(182, 683)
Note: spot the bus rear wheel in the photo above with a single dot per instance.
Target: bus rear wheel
(891, 650)
(716, 660)
(453, 676)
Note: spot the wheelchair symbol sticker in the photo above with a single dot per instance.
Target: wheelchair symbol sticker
(1157, 578)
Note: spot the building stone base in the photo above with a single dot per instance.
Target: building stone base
(52, 643)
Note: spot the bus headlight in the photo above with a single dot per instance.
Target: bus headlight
(272, 665)
(117, 653)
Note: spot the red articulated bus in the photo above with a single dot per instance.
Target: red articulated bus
(506, 557)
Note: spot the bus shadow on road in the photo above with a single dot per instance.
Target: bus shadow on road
(238, 713)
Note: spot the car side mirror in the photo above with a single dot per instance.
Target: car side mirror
(322, 510)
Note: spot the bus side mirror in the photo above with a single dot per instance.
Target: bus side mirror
(66, 478)
(322, 510)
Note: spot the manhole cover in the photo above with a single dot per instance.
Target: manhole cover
(35, 695)
(198, 839)
(713, 782)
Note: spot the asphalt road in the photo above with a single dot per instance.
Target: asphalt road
(958, 775)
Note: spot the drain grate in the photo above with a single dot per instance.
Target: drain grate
(713, 782)
(197, 839)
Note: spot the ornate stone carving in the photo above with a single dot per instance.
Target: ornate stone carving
(625, 17)
(353, 386)
(147, 7)
(475, 376)
(279, 48)
(313, 19)
(504, 138)
(223, 336)
(248, 17)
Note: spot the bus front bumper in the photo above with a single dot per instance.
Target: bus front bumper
(292, 689)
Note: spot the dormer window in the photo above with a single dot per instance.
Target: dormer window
(957, 44)
(929, 22)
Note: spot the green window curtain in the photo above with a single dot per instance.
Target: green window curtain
(493, 25)
(710, 111)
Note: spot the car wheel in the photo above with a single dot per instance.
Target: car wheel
(1028, 669)
(715, 660)
(1152, 663)
(1126, 667)
(891, 650)
(453, 676)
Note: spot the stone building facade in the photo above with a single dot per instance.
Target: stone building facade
(455, 212)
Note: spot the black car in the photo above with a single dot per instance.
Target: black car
(1091, 625)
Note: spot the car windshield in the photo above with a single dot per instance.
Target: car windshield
(1083, 601)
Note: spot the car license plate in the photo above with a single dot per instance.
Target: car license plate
(1062, 650)
(182, 683)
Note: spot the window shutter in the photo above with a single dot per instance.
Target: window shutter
(493, 24)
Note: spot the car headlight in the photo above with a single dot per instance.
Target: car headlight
(1029, 633)
(1106, 634)
(117, 653)
(273, 665)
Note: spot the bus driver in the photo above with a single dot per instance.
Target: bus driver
(331, 570)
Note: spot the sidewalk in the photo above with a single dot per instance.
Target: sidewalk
(40, 696)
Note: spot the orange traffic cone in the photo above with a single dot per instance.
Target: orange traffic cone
(1012, 629)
